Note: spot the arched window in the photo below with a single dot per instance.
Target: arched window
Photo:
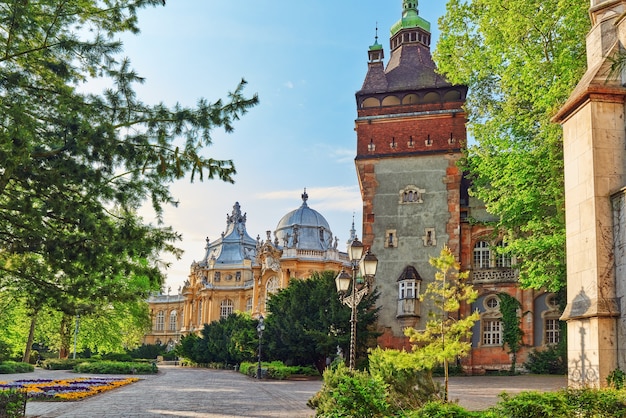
(273, 286)
(411, 194)
(482, 255)
(491, 322)
(160, 321)
(502, 259)
(173, 321)
(551, 321)
(249, 305)
(226, 308)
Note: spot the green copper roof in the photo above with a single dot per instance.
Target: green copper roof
(410, 18)
(376, 46)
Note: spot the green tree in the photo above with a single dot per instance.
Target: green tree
(77, 165)
(116, 328)
(230, 340)
(446, 337)
(307, 322)
(520, 59)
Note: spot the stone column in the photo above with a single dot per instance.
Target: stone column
(593, 147)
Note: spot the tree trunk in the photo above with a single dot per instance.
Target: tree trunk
(31, 336)
(66, 336)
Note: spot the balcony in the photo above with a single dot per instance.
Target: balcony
(408, 307)
(494, 275)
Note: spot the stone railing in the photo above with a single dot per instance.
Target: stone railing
(317, 254)
(495, 275)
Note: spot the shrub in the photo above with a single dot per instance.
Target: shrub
(605, 403)
(616, 379)
(277, 370)
(535, 405)
(150, 351)
(8, 367)
(62, 364)
(13, 403)
(5, 351)
(116, 357)
(548, 361)
(438, 409)
(34, 357)
(588, 403)
(115, 367)
(408, 387)
(247, 368)
(350, 393)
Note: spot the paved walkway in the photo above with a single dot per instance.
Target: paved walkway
(477, 393)
(185, 392)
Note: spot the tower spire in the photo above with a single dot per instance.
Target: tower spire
(305, 197)
(352, 231)
(375, 52)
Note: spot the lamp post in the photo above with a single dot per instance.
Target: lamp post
(367, 265)
(259, 329)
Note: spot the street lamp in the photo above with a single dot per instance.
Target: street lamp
(367, 265)
(259, 329)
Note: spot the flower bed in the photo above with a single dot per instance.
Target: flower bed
(66, 389)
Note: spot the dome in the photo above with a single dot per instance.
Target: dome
(304, 228)
(410, 18)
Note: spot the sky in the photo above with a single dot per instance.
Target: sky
(305, 60)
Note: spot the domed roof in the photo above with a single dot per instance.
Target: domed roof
(235, 245)
(304, 228)
(410, 18)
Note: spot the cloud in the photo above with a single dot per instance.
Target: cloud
(336, 198)
(342, 155)
(288, 84)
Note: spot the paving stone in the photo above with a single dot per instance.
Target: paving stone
(194, 393)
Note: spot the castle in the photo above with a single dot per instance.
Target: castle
(410, 131)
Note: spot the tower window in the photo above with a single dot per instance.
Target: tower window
(391, 238)
(429, 238)
(408, 289)
(411, 194)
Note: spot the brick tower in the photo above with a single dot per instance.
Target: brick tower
(410, 130)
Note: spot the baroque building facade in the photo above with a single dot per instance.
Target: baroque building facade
(411, 129)
(240, 273)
